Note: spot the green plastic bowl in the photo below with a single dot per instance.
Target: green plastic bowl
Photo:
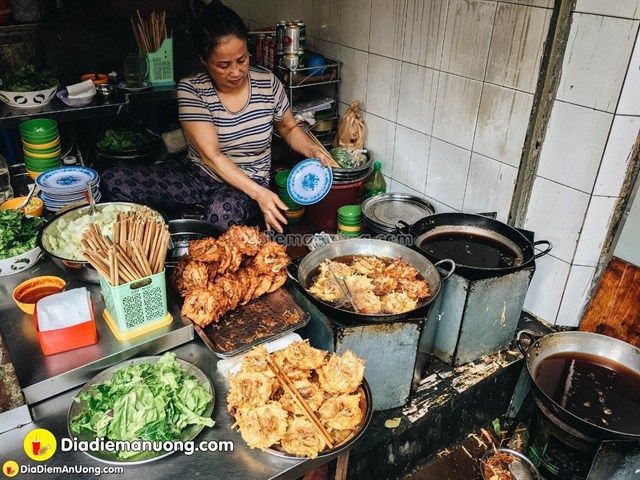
(41, 151)
(39, 127)
(350, 211)
(281, 178)
(39, 162)
(35, 140)
(40, 169)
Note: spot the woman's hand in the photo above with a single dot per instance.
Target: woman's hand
(324, 158)
(270, 204)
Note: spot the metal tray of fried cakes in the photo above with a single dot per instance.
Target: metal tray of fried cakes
(259, 321)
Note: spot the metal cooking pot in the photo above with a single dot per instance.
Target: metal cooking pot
(608, 348)
(379, 248)
(184, 230)
(468, 223)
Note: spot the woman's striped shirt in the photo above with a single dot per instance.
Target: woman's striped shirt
(243, 136)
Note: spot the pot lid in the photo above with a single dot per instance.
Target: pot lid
(385, 210)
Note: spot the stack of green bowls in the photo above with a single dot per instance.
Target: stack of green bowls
(40, 145)
(296, 211)
(350, 220)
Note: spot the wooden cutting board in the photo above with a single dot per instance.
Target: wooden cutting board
(615, 308)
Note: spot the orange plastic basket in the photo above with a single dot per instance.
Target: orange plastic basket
(63, 339)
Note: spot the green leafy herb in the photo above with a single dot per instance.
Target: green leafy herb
(116, 140)
(28, 79)
(144, 402)
(17, 233)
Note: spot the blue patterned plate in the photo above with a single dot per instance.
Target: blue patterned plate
(309, 182)
(66, 180)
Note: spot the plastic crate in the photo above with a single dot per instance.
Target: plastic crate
(160, 65)
(136, 303)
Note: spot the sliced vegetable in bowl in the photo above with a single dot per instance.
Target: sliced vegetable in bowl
(18, 233)
(28, 79)
(123, 140)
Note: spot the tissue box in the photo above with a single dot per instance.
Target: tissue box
(69, 338)
(136, 303)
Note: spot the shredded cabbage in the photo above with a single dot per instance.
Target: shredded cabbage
(63, 239)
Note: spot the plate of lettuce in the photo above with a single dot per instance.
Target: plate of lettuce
(153, 399)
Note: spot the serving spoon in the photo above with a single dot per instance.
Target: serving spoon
(32, 192)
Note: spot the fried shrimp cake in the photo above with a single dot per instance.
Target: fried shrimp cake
(272, 258)
(291, 371)
(204, 249)
(310, 392)
(302, 438)
(342, 412)
(341, 374)
(256, 361)
(304, 356)
(262, 426)
(251, 389)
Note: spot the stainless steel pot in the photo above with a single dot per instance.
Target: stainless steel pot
(379, 248)
(80, 269)
(602, 346)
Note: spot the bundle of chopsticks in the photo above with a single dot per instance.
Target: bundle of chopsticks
(150, 33)
(318, 143)
(137, 248)
(290, 388)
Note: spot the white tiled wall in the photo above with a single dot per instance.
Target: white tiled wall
(585, 155)
(446, 88)
(451, 76)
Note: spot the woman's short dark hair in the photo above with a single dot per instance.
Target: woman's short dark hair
(212, 24)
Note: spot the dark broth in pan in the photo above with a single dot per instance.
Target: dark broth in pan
(471, 250)
(598, 390)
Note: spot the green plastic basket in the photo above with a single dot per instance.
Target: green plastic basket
(136, 303)
(160, 65)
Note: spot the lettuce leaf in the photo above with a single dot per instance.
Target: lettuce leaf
(144, 402)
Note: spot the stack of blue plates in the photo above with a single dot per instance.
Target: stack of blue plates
(64, 185)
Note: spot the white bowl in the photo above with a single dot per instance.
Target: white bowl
(63, 95)
(28, 99)
(18, 263)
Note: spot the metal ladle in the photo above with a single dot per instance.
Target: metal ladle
(92, 202)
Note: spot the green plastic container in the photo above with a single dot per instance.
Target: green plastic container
(136, 303)
(39, 127)
(160, 65)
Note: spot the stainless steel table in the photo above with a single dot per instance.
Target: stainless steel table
(242, 464)
(41, 376)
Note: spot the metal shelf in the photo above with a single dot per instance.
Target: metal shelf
(99, 107)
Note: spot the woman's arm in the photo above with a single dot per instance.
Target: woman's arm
(203, 136)
(298, 140)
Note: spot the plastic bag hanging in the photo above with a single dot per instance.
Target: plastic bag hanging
(351, 129)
